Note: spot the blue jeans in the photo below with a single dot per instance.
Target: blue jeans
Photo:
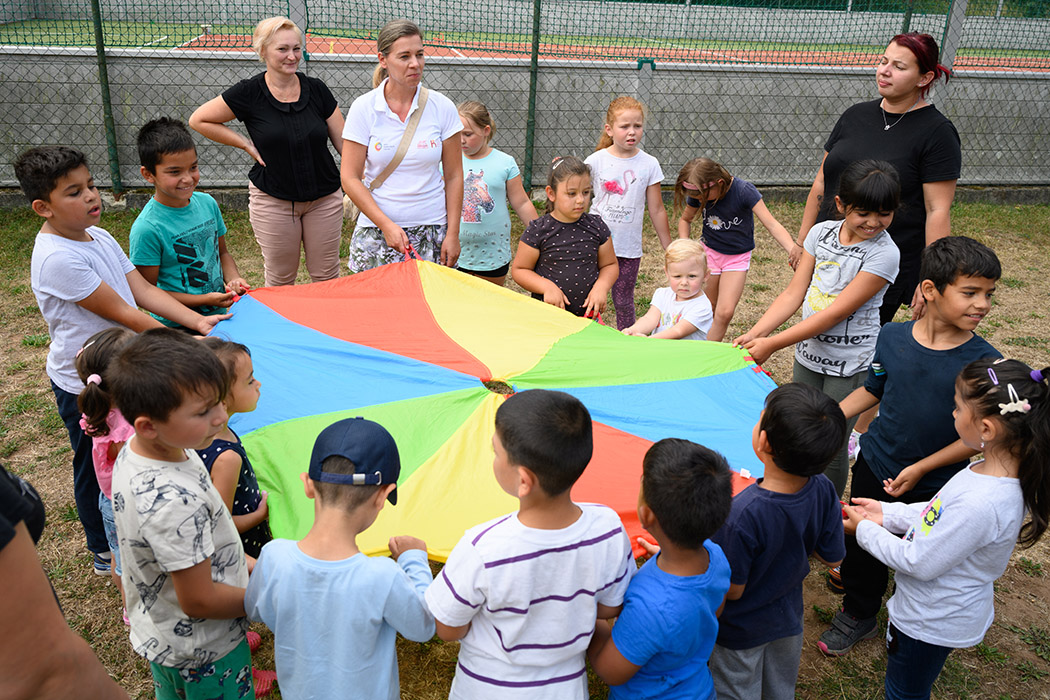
(911, 666)
(85, 484)
(105, 507)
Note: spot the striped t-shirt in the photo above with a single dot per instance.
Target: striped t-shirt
(531, 597)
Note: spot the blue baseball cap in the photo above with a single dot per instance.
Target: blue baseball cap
(365, 443)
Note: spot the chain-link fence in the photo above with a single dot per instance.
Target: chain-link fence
(754, 84)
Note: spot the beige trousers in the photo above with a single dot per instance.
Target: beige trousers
(283, 228)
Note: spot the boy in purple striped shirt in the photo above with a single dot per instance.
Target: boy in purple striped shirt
(522, 592)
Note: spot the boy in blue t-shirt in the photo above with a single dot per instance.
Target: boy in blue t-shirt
(178, 240)
(912, 449)
(660, 643)
(775, 525)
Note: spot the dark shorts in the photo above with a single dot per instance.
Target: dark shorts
(500, 271)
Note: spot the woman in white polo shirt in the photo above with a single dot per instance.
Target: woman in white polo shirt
(420, 202)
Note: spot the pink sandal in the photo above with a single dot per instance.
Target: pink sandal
(263, 681)
(254, 640)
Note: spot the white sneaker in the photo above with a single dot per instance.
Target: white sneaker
(853, 445)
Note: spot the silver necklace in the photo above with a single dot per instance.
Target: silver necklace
(886, 126)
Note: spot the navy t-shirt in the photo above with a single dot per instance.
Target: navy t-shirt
(246, 497)
(729, 223)
(568, 254)
(916, 387)
(292, 137)
(767, 539)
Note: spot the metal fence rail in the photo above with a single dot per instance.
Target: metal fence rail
(755, 85)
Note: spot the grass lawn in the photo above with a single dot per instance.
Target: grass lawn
(1012, 662)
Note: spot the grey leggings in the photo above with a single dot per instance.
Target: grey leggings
(837, 388)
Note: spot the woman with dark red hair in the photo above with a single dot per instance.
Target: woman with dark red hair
(903, 128)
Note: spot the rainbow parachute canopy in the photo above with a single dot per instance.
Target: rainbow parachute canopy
(425, 351)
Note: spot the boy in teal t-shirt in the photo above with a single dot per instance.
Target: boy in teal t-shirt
(178, 241)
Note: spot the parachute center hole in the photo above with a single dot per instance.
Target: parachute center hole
(498, 387)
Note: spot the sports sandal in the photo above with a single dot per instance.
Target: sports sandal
(263, 681)
(835, 581)
(254, 640)
(845, 631)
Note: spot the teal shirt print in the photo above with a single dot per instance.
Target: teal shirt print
(183, 243)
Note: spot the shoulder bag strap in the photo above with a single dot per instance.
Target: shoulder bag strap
(406, 140)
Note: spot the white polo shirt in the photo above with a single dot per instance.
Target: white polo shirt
(414, 194)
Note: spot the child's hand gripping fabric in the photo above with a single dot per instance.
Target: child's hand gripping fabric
(862, 509)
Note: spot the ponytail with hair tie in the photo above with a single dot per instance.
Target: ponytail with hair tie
(91, 363)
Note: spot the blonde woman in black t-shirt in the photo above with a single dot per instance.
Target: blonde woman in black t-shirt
(295, 201)
(921, 143)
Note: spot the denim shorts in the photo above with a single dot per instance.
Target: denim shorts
(105, 506)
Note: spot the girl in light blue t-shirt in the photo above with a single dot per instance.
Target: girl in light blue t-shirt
(490, 179)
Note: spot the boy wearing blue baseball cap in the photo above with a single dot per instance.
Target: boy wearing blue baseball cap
(335, 612)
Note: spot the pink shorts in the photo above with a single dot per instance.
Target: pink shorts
(717, 263)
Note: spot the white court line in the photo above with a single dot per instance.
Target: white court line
(718, 54)
(155, 41)
(457, 52)
(186, 43)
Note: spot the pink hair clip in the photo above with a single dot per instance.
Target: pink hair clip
(991, 375)
(93, 379)
(86, 346)
(1017, 404)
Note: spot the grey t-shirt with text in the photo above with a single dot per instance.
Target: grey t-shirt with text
(846, 348)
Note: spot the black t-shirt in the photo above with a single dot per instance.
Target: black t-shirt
(292, 137)
(568, 254)
(18, 502)
(923, 146)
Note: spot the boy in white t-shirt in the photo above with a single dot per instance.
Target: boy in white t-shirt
(522, 592)
(84, 283)
(682, 310)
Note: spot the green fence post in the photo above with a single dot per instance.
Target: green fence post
(107, 105)
(908, 10)
(534, 69)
